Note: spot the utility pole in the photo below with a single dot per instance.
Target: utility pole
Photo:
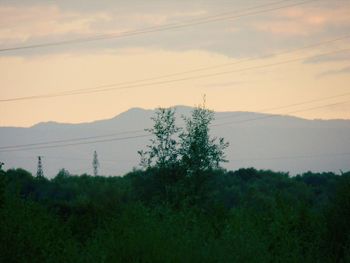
(95, 164)
(40, 172)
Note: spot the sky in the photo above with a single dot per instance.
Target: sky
(244, 55)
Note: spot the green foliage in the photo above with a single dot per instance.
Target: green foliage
(2, 187)
(191, 148)
(198, 151)
(163, 215)
(163, 150)
(28, 233)
(338, 227)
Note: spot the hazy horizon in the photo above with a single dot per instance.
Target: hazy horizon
(279, 143)
(174, 106)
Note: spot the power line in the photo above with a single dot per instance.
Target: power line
(73, 144)
(215, 74)
(286, 106)
(279, 115)
(240, 61)
(213, 125)
(78, 91)
(142, 130)
(293, 157)
(284, 157)
(208, 19)
(112, 88)
(48, 157)
(69, 140)
(41, 146)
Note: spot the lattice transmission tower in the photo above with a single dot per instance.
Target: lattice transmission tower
(40, 172)
(95, 164)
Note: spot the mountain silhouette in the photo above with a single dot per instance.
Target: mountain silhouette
(264, 141)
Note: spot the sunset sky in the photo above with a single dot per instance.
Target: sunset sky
(246, 56)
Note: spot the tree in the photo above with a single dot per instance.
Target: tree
(191, 148)
(338, 218)
(62, 174)
(200, 152)
(2, 186)
(162, 152)
(95, 164)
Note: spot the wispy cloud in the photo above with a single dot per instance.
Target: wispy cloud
(158, 19)
(19, 24)
(329, 58)
(304, 21)
(55, 21)
(345, 70)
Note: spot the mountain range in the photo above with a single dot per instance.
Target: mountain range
(263, 141)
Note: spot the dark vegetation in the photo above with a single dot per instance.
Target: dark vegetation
(147, 216)
(181, 208)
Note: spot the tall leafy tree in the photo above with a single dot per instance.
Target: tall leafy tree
(199, 151)
(192, 148)
(163, 150)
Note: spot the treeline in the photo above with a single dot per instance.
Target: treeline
(163, 215)
(181, 207)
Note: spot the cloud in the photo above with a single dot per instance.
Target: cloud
(23, 23)
(44, 22)
(345, 70)
(157, 19)
(299, 21)
(329, 58)
(19, 24)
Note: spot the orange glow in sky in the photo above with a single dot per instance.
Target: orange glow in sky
(250, 63)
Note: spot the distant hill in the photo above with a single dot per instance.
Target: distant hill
(281, 143)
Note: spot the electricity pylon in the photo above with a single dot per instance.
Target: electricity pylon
(40, 172)
(95, 164)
